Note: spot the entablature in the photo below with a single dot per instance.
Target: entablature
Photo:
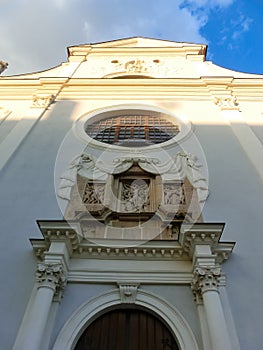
(79, 247)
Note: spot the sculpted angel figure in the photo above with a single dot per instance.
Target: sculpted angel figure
(135, 196)
(78, 165)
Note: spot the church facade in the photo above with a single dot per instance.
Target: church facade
(131, 181)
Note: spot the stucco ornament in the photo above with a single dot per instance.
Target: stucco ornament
(51, 275)
(206, 278)
(3, 66)
(183, 165)
(226, 102)
(128, 292)
(68, 178)
(42, 101)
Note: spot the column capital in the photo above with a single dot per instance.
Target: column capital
(205, 278)
(51, 276)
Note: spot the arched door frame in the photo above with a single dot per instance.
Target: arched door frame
(87, 312)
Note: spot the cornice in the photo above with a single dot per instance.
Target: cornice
(194, 51)
(183, 249)
(208, 234)
(56, 231)
(79, 88)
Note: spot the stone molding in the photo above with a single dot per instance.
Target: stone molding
(51, 276)
(206, 234)
(181, 249)
(128, 292)
(205, 278)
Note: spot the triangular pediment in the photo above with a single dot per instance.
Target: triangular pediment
(140, 43)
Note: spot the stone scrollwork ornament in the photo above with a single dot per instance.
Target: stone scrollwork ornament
(205, 278)
(51, 275)
(128, 292)
(42, 101)
(3, 66)
(226, 102)
(181, 166)
(79, 164)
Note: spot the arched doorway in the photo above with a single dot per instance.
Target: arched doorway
(127, 329)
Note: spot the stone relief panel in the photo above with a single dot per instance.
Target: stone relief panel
(94, 193)
(115, 192)
(135, 195)
(173, 194)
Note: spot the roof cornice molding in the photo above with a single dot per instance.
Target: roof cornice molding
(208, 234)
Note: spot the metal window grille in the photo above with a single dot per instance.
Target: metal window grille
(127, 130)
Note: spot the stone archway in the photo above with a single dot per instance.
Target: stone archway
(91, 310)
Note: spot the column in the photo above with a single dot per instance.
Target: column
(205, 284)
(50, 280)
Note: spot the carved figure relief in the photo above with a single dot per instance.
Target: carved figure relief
(83, 163)
(135, 196)
(173, 194)
(93, 193)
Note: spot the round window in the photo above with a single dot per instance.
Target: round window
(132, 128)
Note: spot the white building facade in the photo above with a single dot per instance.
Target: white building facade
(131, 182)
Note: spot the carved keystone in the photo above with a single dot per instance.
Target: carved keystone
(128, 292)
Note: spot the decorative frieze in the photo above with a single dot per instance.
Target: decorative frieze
(51, 276)
(139, 66)
(128, 292)
(42, 101)
(205, 278)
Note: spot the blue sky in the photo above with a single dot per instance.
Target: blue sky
(35, 33)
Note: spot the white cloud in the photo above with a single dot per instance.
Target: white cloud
(35, 34)
(241, 25)
(208, 3)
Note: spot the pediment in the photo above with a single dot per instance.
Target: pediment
(137, 58)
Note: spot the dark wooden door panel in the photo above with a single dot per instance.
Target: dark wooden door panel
(127, 329)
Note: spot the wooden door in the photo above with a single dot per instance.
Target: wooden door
(127, 329)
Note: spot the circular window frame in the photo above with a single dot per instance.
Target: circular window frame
(79, 126)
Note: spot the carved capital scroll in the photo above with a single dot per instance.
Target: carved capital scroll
(205, 279)
(51, 276)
